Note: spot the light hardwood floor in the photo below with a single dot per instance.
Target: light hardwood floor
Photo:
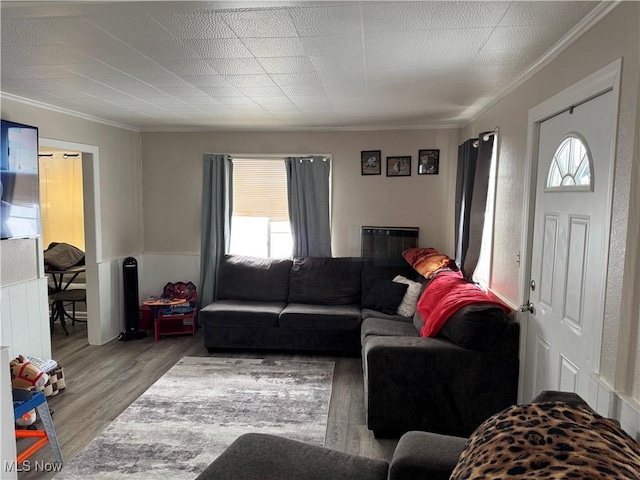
(102, 381)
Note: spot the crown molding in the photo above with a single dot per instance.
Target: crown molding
(73, 113)
(597, 14)
(299, 129)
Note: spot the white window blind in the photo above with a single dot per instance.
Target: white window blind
(260, 189)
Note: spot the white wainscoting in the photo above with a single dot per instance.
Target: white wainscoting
(157, 269)
(24, 318)
(616, 405)
(7, 436)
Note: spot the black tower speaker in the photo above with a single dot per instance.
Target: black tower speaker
(131, 313)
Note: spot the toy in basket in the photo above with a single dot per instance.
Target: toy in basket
(26, 376)
(55, 372)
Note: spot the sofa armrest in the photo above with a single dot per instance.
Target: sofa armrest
(431, 384)
(421, 455)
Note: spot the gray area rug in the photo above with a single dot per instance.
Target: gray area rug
(198, 408)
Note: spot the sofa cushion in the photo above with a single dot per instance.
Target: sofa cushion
(408, 305)
(374, 269)
(378, 327)
(241, 313)
(476, 327)
(261, 456)
(385, 296)
(256, 279)
(320, 317)
(368, 313)
(326, 281)
(428, 261)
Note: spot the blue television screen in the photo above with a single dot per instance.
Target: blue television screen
(19, 184)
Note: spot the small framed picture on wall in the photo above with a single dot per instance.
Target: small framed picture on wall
(428, 162)
(398, 166)
(371, 162)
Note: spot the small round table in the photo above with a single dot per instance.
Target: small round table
(155, 304)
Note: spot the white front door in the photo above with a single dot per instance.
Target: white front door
(570, 245)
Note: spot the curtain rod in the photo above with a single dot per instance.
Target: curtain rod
(275, 157)
(486, 136)
(64, 155)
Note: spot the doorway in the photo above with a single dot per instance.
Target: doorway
(62, 221)
(92, 229)
(572, 138)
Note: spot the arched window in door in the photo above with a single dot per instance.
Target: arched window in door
(571, 166)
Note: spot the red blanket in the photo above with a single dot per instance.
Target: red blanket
(446, 293)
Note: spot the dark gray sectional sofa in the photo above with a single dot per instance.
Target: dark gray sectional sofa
(305, 304)
(448, 384)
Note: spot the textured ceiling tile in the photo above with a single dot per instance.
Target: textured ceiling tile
(166, 49)
(281, 108)
(339, 66)
(222, 91)
(303, 90)
(395, 16)
(184, 67)
(219, 48)
(250, 80)
(289, 79)
(275, 47)
(165, 101)
(347, 44)
(368, 58)
(56, 54)
(120, 81)
(92, 70)
(287, 64)
(237, 66)
(267, 22)
(167, 80)
(194, 24)
(12, 72)
(466, 15)
(205, 80)
(134, 30)
(262, 91)
(502, 56)
(542, 35)
(326, 20)
(49, 71)
(305, 99)
(243, 100)
(281, 101)
(203, 100)
(545, 12)
(182, 92)
(144, 92)
(80, 83)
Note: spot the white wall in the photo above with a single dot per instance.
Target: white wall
(172, 166)
(172, 176)
(614, 37)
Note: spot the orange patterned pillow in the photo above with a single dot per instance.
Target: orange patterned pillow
(427, 261)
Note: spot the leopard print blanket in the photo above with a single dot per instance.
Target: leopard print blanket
(554, 440)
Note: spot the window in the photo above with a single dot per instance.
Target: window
(570, 167)
(260, 219)
(482, 273)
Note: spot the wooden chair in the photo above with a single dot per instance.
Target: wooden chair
(58, 309)
(180, 319)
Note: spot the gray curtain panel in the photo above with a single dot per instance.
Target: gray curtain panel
(308, 190)
(217, 208)
(472, 185)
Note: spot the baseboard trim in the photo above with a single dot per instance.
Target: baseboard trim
(617, 405)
